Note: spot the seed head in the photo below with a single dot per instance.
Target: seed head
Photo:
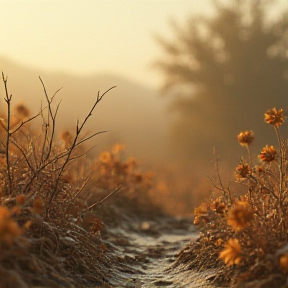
(246, 137)
(242, 171)
(274, 117)
(240, 217)
(230, 255)
(105, 157)
(268, 154)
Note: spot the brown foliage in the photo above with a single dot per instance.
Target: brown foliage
(41, 178)
(249, 232)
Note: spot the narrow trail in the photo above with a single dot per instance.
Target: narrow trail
(147, 250)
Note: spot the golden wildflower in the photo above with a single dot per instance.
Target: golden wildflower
(274, 117)
(9, 229)
(239, 217)
(246, 137)
(242, 171)
(201, 210)
(230, 255)
(268, 154)
(105, 157)
(283, 262)
(218, 206)
(116, 149)
(201, 213)
(243, 201)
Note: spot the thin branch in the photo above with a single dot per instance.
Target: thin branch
(83, 185)
(24, 155)
(263, 186)
(89, 137)
(79, 191)
(228, 197)
(78, 131)
(219, 188)
(57, 158)
(82, 154)
(53, 117)
(98, 99)
(24, 122)
(75, 157)
(101, 201)
(8, 101)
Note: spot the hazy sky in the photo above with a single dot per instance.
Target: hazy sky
(83, 36)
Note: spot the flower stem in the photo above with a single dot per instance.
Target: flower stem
(281, 178)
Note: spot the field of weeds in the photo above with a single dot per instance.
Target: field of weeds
(49, 234)
(60, 212)
(244, 236)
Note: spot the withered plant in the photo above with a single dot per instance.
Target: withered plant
(42, 241)
(244, 239)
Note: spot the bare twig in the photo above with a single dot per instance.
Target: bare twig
(24, 122)
(53, 117)
(83, 185)
(57, 158)
(226, 192)
(8, 102)
(24, 155)
(89, 137)
(78, 131)
(101, 201)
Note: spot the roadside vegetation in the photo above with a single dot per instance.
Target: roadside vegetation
(53, 210)
(244, 236)
(50, 235)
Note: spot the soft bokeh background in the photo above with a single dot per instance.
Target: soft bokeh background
(87, 46)
(84, 37)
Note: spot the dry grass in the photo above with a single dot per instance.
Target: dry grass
(49, 188)
(51, 194)
(245, 237)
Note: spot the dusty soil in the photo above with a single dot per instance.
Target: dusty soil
(133, 245)
(147, 245)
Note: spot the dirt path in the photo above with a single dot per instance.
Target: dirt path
(147, 250)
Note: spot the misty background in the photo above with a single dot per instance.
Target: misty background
(131, 113)
(189, 76)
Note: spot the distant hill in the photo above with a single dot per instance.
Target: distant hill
(132, 114)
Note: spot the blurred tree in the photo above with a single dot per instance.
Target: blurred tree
(224, 73)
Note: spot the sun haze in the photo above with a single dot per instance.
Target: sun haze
(111, 36)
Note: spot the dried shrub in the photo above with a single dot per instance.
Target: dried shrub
(42, 239)
(244, 238)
